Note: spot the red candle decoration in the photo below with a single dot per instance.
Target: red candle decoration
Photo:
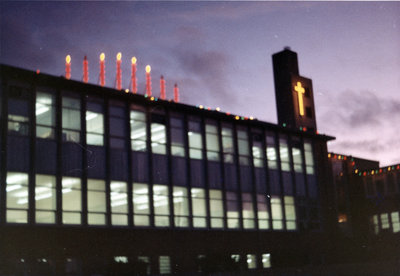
(162, 88)
(176, 93)
(102, 69)
(119, 72)
(85, 70)
(68, 67)
(148, 81)
(133, 75)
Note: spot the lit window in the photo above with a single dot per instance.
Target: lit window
(164, 263)
(251, 261)
(119, 203)
(17, 197)
(247, 211)
(181, 206)
(161, 205)
(199, 207)
(266, 260)
(45, 115)
(385, 221)
(227, 143)
(395, 216)
(212, 141)
(232, 210)
(195, 140)
(262, 212)
(216, 209)
(276, 211)
(71, 119)
(141, 205)
(290, 212)
(71, 200)
(94, 124)
(138, 130)
(96, 198)
(45, 198)
(308, 154)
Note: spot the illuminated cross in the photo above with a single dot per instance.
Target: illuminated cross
(300, 91)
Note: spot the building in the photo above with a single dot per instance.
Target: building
(97, 181)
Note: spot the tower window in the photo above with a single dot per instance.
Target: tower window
(307, 92)
(309, 112)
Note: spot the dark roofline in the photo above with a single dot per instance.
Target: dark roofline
(74, 85)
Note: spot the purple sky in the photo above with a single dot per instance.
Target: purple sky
(219, 53)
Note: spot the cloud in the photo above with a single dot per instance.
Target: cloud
(204, 69)
(364, 123)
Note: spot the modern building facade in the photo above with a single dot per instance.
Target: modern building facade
(99, 181)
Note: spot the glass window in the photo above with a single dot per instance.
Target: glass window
(216, 208)
(177, 137)
(17, 200)
(296, 155)
(395, 216)
(251, 261)
(290, 213)
(385, 221)
(248, 211)
(94, 124)
(262, 212)
(227, 143)
(266, 260)
(309, 157)
(271, 152)
(18, 116)
(71, 200)
(71, 119)
(164, 264)
(199, 207)
(375, 222)
(96, 199)
(161, 205)
(181, 206)
(158, 134)
(138, 130)
(232, 210)
(141, 205)
(45, 198)
(212, 141)
(243, 146)
(195, 140)
(276, 210)
(45, 115)
(257, 149)
(284, 153)
(119, 203)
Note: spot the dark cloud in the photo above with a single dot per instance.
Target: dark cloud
(205, 70)
(360, 109)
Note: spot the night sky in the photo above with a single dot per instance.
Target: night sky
(219, 53)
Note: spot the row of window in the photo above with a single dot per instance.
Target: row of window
(382, 185)
(152, 205)
(205, 143)
(146, 265)
(386, 222)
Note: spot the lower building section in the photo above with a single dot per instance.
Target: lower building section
(50, 250)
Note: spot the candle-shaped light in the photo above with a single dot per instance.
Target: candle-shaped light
(85, 70)
(176, 93)
(133, 75)
(119, 72)
(102, 69)
(162, 88)
(148, 81)
(68, 67)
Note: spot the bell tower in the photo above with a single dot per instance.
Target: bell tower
(293, 93)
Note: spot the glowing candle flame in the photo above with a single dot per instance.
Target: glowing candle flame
(119, 56)
(68, 59)
(148, 68)
(133, 60)
(102, 56)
